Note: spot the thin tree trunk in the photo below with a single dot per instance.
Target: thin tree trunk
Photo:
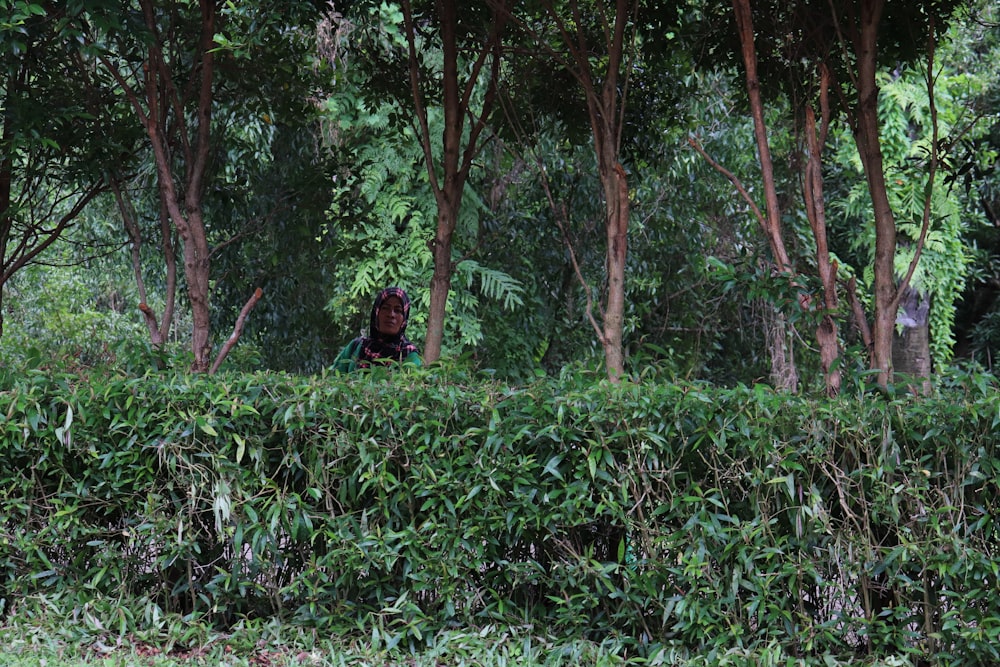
(170, 262)
(772, 223)
(616, 194)
(826, 333)
(606, 109)
(784, 374)
(448, 196)
(870, 150)
(188, 221)
(6, 221)
(440, 284)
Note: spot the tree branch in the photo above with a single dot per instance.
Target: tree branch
(695, 144)
(418, 99)
(560, 214)
(931, 175)
(237, 330)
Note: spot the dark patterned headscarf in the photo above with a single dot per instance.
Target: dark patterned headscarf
(376, 345)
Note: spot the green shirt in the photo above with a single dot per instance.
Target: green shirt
(347, 360)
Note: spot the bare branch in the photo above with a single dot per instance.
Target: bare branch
(560, 214)
(237, 330)
(695, 144)
(859, 314)
(418, 99)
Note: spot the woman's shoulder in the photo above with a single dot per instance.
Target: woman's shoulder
(413, 358)
(346, 360)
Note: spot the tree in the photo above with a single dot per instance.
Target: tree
(459, 146)
(840, 47)
(171, 94)
(56, 137)
(869, 41)
(783, 370)
(565, 36)
(413, 140)
(913, 122)
(166, 64)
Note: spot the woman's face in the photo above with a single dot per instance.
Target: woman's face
(390, 317)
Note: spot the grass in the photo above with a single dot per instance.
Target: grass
(271, 645)
(68, 632)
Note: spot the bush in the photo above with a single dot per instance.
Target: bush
(678, 515)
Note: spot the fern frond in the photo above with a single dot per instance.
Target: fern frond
(493, 284)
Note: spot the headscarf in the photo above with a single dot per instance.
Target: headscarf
(377, 345)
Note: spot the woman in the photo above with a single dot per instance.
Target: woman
(385, 341)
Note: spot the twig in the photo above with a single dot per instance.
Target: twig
(560, 214)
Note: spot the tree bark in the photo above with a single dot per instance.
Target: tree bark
(911, 350)
(866, 133)
(784, 372)
(616, 194)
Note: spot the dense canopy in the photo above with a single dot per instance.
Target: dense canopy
(736, 192)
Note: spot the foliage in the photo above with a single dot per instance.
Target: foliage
(78, 315)
(974, 52)
(271, 644)
(676, 517)
(56, 140)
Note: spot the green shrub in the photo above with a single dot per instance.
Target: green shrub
(677, 515)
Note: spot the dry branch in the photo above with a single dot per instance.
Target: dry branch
(237, 330)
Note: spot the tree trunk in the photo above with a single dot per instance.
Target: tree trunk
(784, 374)
(188, 221)
(449, 195)
(827, 332)
(440, 284)
(866, 134)
(606, 108)
(616, 194)
(911, 351)
(772, 223)
(158, 330)
(6, 221)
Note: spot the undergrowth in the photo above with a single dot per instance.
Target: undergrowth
(678, 523)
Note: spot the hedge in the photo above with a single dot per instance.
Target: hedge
(675, 514)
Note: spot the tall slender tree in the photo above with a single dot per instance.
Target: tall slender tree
(460, 142)
(166, 63)
(597, 43)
